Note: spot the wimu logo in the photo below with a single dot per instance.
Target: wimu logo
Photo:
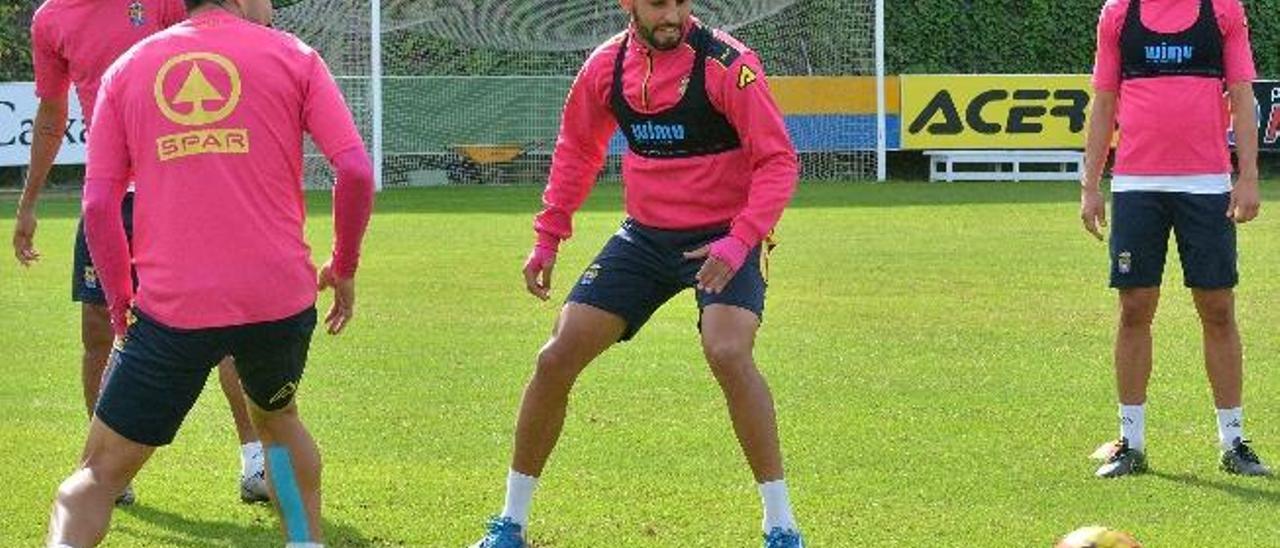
(649, 131)
(1164, 54)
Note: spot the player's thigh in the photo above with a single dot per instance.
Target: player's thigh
(1139, 239)
(114, 458)
(1206, 241)
(95, 327)
(271, 357)
(582, 332)
(629, 278)
(156, 376)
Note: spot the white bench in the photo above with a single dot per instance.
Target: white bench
(1005, 165)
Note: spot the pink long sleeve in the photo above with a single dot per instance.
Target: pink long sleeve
(774, 170)
(352, 206)
(105, 184)
(585, 129)
(329, 122)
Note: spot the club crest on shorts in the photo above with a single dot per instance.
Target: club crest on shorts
(90, 277)
(589, 276)
(1124, 262)
(137, 13)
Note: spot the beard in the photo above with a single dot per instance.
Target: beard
(665, 41)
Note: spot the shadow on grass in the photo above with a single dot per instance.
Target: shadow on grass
(1246, 492)
(261, 530)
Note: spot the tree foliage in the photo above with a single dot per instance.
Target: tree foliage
(1024, 36)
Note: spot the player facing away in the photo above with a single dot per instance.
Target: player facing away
(709, 169)
(209, 116)
(75, 41)
(1161, 69)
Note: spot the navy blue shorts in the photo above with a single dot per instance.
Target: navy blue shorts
(85, 287)
(641, 268)
(1140, 227)
(159, 372)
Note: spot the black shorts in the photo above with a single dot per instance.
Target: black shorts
(641, 268)
(85, 287)
(159, 372)
(1140, 227)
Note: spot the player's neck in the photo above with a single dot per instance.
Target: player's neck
(215, 7)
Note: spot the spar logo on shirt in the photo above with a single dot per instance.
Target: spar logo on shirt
(1165, 54)
(197, 90)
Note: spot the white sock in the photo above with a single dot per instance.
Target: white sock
(1230, 427)
(777, 506)
(251, 458)
(303, 545)
(519, 497)
(1133, 425)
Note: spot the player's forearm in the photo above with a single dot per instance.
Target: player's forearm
(1102, 123)
(1245, 122)
(352, 207)
(108, 244)
(50, 124)
(573, 173)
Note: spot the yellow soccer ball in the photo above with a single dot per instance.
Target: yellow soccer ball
(1098, 537)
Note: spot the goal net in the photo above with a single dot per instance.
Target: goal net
(472, 90)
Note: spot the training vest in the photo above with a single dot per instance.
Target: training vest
(693, 127)
(1196, 51)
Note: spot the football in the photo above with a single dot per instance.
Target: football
(1098, 537)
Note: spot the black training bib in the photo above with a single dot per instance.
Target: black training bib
(693, 127)
(1196, 51)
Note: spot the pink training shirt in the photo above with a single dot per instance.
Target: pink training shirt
(1172, 125)
(747, 187)
(74, 41)
(209, 115)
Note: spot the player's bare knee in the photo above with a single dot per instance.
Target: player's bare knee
(1217, 316)
(729, 360)
(269, 422)
(1137, 311)
(104, 472)
(556, 363)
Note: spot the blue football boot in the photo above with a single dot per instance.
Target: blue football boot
(783, 538)
(502, 533)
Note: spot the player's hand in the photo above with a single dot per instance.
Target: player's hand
(537, 271)
(1245, 200)
(723, 259)
(344, 298)
(1093, 212)
(24, 234)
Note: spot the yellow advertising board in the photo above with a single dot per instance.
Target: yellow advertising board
(994, 111)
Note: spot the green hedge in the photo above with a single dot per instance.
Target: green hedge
(15, 40)
(1024, 36)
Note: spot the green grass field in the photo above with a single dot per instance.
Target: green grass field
(940, 357)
